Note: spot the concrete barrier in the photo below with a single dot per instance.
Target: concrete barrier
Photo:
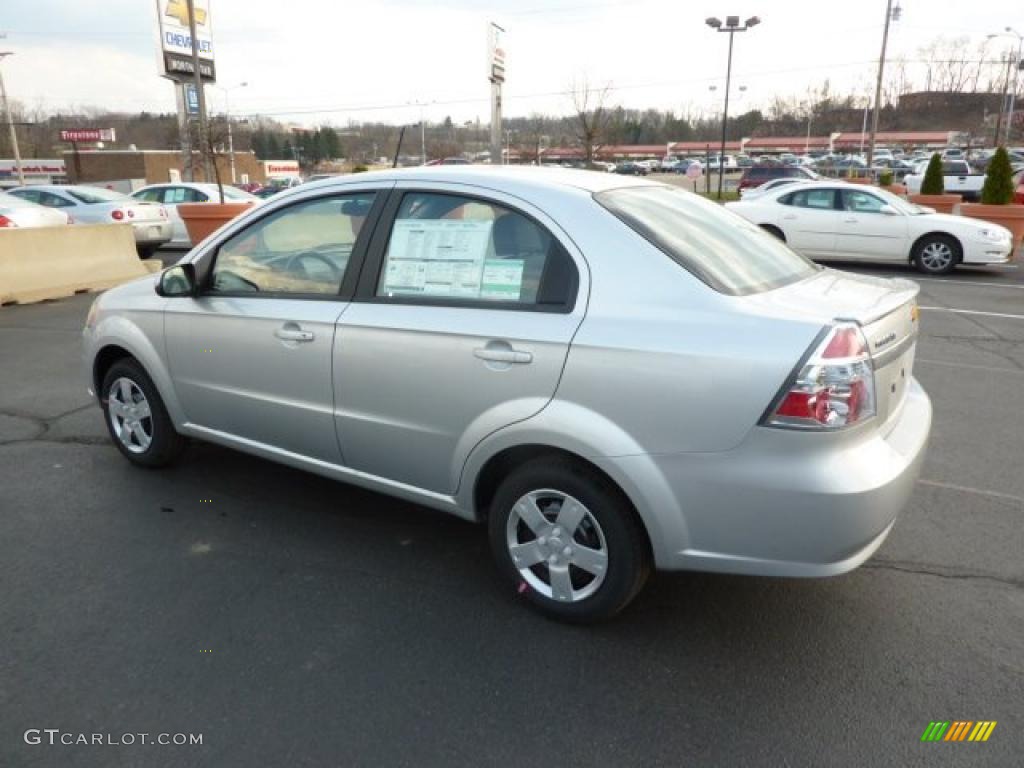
(53, 262)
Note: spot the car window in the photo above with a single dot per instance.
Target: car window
(96, 195)
(955, 168)
(821, 199)
(861, 202)
(718, 247)
(150, 195)
(26, 194)
(302, 249)
(51, 200)
(447, 247)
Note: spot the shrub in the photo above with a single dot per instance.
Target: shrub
(885, 177)
(360, 169)
(998, 188)
(934, 183)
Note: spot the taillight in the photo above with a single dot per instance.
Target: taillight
(834, 388)
(5, 222)
(117, 214)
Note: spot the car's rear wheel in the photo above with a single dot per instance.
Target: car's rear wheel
(136, 417)
(568, 540)
(937, 254)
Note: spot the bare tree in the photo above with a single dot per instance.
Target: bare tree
(590, 106)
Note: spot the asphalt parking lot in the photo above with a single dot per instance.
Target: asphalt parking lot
(293, 621)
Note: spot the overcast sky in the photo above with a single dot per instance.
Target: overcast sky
(313, 61)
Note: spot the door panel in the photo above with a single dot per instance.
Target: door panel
(252, 356)
(441, 347)
(809, 222)
(865, 233)
(233, 371)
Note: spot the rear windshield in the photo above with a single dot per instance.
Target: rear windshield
(720, 248)
(98, 195)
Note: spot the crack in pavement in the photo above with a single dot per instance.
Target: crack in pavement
(929, 569)
(44, 424)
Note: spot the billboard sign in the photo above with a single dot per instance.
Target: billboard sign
(191, 99)
(88, 134)
(176, 39)
(495, 53)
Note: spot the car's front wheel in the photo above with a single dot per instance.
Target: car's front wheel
(136, 417)
(937, 255)
(568, 540)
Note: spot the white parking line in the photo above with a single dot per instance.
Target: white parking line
(991, 368)
(1018, 286)
(973, 312)
(975, 491)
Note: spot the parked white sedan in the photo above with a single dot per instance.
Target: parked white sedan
(15, 212)
(854, 222)
(188, 192)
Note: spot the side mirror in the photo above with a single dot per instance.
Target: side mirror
(179, 280)
(888, 210)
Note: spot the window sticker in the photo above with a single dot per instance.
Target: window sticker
(502, 279)
(441, 257)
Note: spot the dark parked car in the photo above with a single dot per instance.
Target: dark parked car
(632, 169)
(757, 175)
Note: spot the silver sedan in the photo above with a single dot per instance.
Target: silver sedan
(95, 205)
(610, 373)
(16, 212)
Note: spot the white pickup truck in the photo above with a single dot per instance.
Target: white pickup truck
(958, 179)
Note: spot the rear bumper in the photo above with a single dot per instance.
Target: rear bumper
(786, 503)
(152, 232)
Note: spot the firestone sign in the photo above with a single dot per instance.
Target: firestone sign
(88, 134)
(176, 39)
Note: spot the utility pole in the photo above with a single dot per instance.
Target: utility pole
(10, 121)
(878, 84)
(1002, 102)
(203, 131)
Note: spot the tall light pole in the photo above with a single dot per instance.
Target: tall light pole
(1018, 65)
(200, 93)
(891, 14)
(732, 25)
(10, 121)
(423, 129)
(227, 111)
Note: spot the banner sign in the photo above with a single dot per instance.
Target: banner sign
(176, 39)
(495, 54)
(89, 134)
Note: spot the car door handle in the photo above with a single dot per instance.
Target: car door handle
(503, 355)
(851, 221)
(292, 332)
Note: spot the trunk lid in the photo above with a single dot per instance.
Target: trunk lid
(885, 309)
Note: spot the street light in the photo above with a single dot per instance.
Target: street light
(731, 26)
(423, 128)
(10, 120)
(227, 111)
(1011, 32)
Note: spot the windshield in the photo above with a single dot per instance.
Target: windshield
(898, 202)
(98, 195)
(720, 248)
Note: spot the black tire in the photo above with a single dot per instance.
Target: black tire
(165, 443)
(927, 264)
(624, 541)
(774, 231)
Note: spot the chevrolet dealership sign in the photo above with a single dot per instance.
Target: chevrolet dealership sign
(176, 39)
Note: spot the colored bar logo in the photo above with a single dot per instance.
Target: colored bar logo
(958, 730)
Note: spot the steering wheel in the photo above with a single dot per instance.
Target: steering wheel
(295, 263)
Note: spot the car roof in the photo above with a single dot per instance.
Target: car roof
(506, 178)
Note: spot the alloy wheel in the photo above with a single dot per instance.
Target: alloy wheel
(936, 256)
(130, 415)
(557, 546)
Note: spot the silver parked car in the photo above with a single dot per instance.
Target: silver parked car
(17, 212)
(95, 205)
(611, 373)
